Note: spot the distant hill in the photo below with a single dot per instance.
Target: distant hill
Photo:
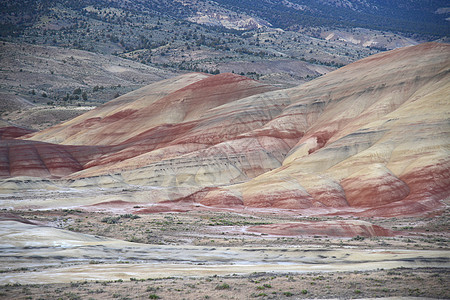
(176, 36)
(45, 85)
(67, 52)
(34, 70)
(408, 16)
(425, 17)
(167, 33)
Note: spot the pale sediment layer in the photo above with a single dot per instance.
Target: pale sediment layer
(64, 256)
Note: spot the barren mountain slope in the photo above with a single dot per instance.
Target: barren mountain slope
(373, 134)
(379, 138)
(157, 116)
(371, 137)
(176, 100)
(57, 71)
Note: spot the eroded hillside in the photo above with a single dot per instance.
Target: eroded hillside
(370, 138)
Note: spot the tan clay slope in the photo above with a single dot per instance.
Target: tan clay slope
(212, 150)
(48, 160)
(371, 135)
(168, 115)
(172, 101)
(375, 134)
(79, 129)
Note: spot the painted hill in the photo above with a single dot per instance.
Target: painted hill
(370, 138)
(173, 101)
(375, 135)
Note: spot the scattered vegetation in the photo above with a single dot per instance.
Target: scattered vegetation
(223, 286)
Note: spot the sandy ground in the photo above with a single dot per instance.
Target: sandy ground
(57, 255)
(80, 254)
(398, 284)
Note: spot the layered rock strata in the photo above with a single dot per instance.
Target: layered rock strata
(370, 138)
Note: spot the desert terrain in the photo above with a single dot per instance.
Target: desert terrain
(77, 254)
(190, 149)
(70, 57)
(206, 186)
